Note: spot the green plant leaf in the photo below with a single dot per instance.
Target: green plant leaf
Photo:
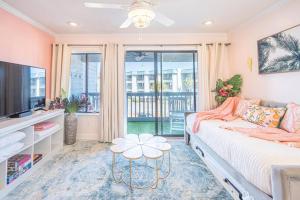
(235, 81)
(219, 84)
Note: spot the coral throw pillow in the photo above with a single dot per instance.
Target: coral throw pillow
(264, 116)
(291, 119)
(243, 106)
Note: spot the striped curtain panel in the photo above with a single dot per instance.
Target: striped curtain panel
(60, 69)
(212, 65)
(112, 93)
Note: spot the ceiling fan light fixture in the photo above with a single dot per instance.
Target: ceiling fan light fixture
(208, 23)
(73, 24)
(141, 17)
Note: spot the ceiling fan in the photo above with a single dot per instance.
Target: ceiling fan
(140, 13)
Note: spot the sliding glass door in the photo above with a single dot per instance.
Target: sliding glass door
(140, 90)
(160, 87)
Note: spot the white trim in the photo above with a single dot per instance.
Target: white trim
(24, 17)
(87, 49)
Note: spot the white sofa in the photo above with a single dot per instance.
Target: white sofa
(249, 168)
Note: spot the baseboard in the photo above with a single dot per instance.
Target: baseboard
(88, 136)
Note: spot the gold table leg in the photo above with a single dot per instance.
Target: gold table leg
(157, 173)
(113, 169)
(169, 168)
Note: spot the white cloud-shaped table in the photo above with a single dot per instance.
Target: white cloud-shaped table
(134, 147)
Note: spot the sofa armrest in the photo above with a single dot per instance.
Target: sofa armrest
(186, 133)
(286, 182)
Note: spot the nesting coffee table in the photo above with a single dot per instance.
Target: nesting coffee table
(144, 146)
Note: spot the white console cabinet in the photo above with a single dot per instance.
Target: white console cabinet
(48, 144)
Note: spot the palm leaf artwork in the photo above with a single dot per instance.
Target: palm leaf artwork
(282, 54)
(264, 49)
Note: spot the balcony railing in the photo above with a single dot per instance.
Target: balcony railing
(145, 106)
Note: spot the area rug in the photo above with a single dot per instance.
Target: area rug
(83, 171)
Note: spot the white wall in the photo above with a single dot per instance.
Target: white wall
(88, 125)
(283, 87)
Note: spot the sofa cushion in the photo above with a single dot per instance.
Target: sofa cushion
(291, 119)
(243, 106)
(264, 116)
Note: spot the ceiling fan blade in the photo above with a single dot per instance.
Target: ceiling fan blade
(164, 20)
(105, 5)
(127, 23)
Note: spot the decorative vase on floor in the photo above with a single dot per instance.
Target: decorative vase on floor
(70, 128)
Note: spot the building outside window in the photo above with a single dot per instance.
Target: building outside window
(85, 79)
(38, 86)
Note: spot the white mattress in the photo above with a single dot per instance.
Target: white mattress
(251, 157)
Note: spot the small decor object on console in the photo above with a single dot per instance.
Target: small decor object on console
(280, 52)
(37, 158)
(228, 88)
(17, 165)
(71, 105)
(43, 126)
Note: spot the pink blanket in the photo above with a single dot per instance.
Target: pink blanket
(270, 134)
(223, 112)
(43, 126)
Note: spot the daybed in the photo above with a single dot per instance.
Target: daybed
(249, 168)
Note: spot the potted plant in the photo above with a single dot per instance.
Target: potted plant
(71, 105)
(228, 88)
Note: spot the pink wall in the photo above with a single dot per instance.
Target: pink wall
(283, 87)
(22, 43)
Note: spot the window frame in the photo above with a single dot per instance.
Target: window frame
(158, 79)
(86, 78)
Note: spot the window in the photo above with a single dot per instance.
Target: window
(129, 77)
(140, 77)
(85, 79)
(140, 86)
(162, 89)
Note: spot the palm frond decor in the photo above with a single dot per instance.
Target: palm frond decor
(228, 88)
(280, 52)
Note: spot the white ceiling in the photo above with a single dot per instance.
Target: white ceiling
(188, 15)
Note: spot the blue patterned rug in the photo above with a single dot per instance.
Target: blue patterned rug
(83, 172)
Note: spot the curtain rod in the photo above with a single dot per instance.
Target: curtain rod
(97, 45)
(200, 44)
(90, 45)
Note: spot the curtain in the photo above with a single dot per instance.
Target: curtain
(112, 93)
(213, 64)
(60, 70)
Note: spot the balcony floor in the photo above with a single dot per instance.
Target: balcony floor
(149, 127)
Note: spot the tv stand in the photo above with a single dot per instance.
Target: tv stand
(43, 109)
(47, 143)
(20, 115)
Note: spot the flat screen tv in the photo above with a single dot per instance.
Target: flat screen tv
(22, 89)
